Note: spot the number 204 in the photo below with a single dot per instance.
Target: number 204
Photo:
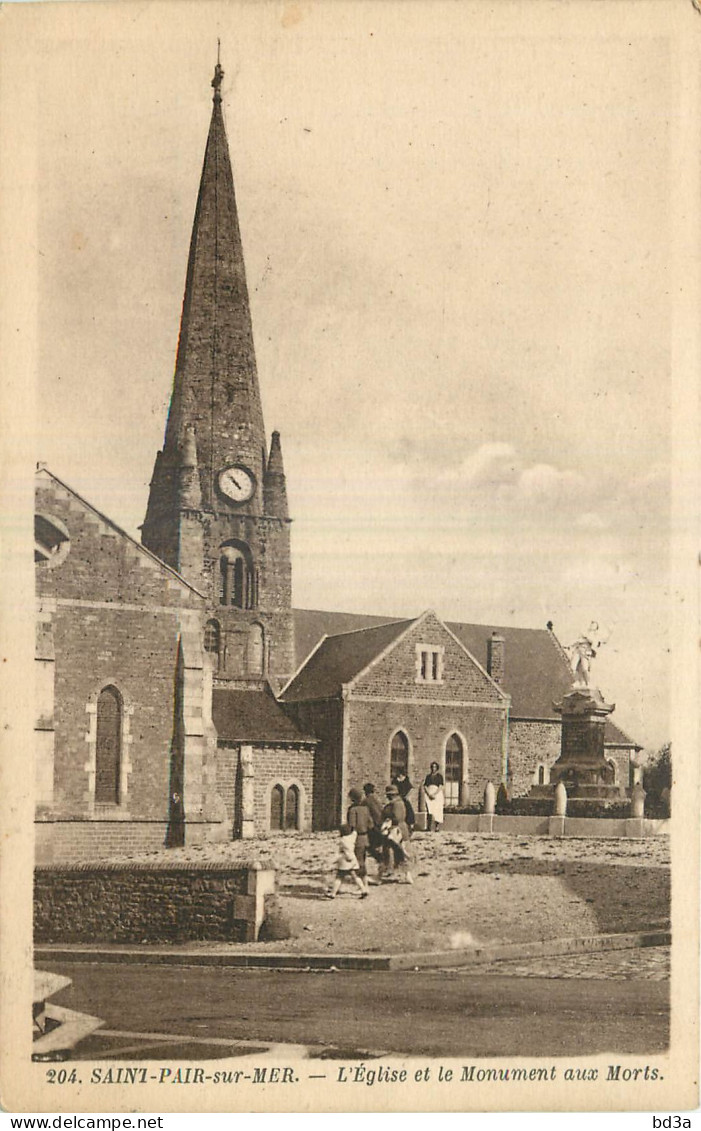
(61, 1076)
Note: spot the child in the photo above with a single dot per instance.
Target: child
(346, 863)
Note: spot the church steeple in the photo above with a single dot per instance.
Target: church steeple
(216, 381)
(217, 508)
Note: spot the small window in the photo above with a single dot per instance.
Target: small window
(212, 637)
(429, 663)
(541, 775)
(292, 808)
(399, 754)
(277, 808)
(453, 769)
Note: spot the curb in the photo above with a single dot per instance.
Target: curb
(426, 960)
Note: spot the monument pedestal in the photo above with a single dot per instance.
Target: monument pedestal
(582, 766)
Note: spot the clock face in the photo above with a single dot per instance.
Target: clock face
(236, 483)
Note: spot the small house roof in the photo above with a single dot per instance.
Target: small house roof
(536, 669)
(253, 716)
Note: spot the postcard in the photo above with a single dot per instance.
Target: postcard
(350, 493)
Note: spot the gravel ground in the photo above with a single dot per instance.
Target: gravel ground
(468, 889)
(649, 963)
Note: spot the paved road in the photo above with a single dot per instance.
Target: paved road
(416, 1013)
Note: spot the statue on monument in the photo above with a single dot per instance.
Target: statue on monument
(583, 652)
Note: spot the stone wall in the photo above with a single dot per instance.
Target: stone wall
(273, 765)
(371, 725)
(323, 718)
(395, 674)
(147, 902)
(63, 841)
(111, 616)
(534, 742)
(531, 743)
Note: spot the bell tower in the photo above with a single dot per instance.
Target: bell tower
(217, 509)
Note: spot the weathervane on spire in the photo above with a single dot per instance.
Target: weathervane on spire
(218, 75)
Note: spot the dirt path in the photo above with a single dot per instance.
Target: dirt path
(468, 889)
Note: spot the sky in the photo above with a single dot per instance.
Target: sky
(457, 239)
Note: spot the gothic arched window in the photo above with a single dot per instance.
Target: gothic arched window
(238, 582)
(453, 769)
(292, 808)
(277, 808)
(212, 636)
(399, 754)
(108, 749)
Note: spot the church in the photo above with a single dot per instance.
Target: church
(178, 692)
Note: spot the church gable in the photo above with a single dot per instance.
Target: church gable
(426, 663)
(82, 556)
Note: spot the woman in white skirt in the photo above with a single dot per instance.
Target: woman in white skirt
(434, 795)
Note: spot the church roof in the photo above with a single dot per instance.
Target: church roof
(536, 669)
(252, 716)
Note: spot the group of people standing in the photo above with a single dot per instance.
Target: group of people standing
(383, 832)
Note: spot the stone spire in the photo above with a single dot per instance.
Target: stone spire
(216, 382)
(275, 484)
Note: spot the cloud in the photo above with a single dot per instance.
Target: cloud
(544, 482)
(490, 465)
(497, 469)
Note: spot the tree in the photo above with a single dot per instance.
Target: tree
(657, 780)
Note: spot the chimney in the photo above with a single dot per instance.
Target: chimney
(495, 657)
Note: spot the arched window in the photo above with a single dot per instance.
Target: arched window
(277, 808)
(399, 754)
(541, 775)
(237, 582)
(453, 769)
(255, 650)
(108, 752)
(212, 636)
(292, 808)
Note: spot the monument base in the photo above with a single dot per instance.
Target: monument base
(582, 766)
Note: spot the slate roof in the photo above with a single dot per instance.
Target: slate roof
(536, 670)
(340, 658)
(252, 716)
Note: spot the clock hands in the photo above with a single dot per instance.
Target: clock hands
(237, 483)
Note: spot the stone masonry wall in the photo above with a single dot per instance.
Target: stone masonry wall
(534, 742)
(427, 726)
(136, 652)
(64, 841)
(324, 719)
(273, 765)
(115, 616)
(395, 674)
(530, 743)
(134, 903)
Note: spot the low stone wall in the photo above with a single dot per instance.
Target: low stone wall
(120, 903)
(554, 826)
